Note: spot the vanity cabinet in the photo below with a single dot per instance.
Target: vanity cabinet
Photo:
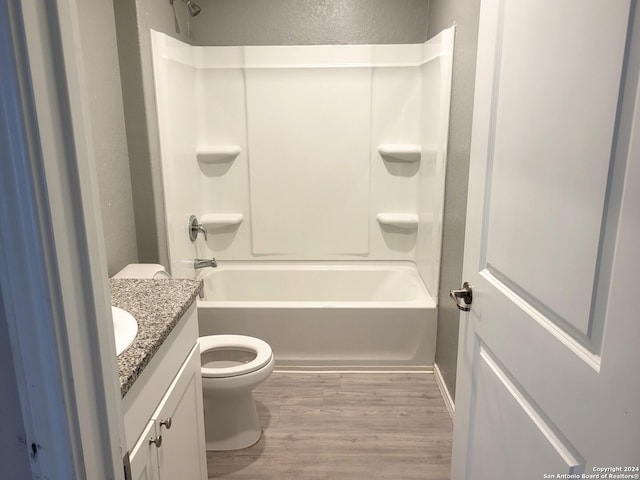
(168, 427)
(173, 441)
(144, 457)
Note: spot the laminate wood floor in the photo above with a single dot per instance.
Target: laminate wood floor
(339, 426)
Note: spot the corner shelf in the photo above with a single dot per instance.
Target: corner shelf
(400, 152)
(408, 221)
(221, 220)
(209, 154)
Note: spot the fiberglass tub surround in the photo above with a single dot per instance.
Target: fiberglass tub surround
(295, 157)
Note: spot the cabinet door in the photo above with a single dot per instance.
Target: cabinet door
(144, 458)
(183, 454)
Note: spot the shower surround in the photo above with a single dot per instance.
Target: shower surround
(324, 158)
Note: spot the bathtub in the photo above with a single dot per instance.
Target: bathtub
(325, 316)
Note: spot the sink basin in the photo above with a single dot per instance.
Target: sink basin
(125, 328)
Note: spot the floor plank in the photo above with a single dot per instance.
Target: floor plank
(345, 426)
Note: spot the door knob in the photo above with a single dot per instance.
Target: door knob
(465, 294)
(157, 441)
(166, 423)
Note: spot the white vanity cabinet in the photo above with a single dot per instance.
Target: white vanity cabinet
(169, 443)
(144, 457)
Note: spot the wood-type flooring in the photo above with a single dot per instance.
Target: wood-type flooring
(345, 426)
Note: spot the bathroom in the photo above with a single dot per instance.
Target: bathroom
(246, 189)
(128, 146)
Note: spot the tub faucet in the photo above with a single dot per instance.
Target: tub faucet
(203, 263)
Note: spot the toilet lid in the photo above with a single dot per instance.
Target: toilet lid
(231, 342)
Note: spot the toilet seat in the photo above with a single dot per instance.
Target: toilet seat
(240, 342)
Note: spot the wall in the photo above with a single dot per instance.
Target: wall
(434, 126)
(176, 108)
(229, 22)
(107, 127)
(309, 22)
(307, 181)
(133, 21)
(465, 15)
(14, 461)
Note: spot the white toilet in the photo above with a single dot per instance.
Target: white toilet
(232, 366)
(143, 270)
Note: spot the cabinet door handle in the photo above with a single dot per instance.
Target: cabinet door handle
(166, 423)
(157, 441)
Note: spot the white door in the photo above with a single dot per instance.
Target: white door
(180, 421)
(144, 456)
(549, 355)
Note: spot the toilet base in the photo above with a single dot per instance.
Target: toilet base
(230, 422)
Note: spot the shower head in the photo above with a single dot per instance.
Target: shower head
(192, 7)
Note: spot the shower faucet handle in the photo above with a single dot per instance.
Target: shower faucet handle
(195, 228)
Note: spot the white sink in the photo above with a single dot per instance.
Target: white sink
(125, 328)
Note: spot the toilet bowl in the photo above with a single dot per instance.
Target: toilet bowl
(232, 366)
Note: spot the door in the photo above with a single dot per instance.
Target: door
(180, 420)
(548, 357)
(144, 456)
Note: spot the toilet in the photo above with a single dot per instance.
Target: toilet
(143, 270)
(232, 366)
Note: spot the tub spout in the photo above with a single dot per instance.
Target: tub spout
(203, 263)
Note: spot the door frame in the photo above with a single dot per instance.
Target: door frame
(55, 301)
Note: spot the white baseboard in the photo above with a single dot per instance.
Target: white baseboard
(350, 369)
(448, 401)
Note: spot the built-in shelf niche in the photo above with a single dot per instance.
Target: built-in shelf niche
(209, 154)
(407, 221)
(400, 152)
(211, 221)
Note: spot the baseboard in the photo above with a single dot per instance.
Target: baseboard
(448, 401)
(351, 369)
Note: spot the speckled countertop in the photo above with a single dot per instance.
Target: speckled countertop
(157, 305)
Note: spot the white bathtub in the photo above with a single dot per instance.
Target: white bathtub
(318, 315)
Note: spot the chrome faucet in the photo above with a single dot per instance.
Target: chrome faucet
(195, 228)
(204, 263)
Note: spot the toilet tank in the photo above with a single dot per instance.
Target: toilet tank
(143, 270)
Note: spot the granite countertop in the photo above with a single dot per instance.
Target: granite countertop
(157, 305)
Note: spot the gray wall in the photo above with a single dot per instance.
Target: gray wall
(102, 73)
(464, 14)
(309, 22)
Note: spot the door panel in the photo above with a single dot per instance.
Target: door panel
(144, 457)
(556, 92)
(183, 449)
(546, 359)
(506, 414)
